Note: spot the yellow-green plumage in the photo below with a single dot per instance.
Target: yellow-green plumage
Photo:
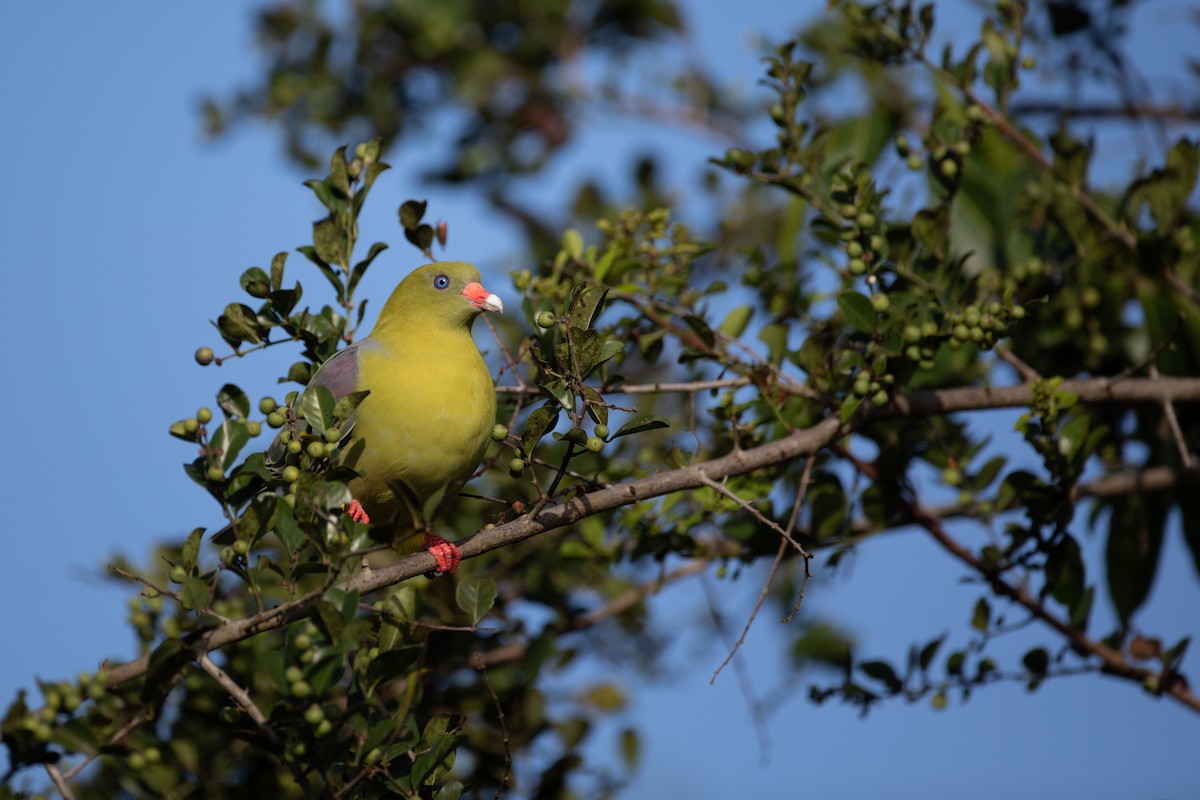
(423, 429)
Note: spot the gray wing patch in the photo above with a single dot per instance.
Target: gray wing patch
(340, 373)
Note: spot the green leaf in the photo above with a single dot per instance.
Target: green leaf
(239, 324)
(255, 282)
(328, 618)
(572, 243)
(329, 241)
(982, 616)
(338, 175)
(929, 652)
(735, 322)
(233, 401)
(884, 673)
(642, 424)
(191, 549)
(774, 336)
(1037, 661)
(317, 405)
(360, 268)
(411, 212)
(857, 310)
(1135, 534)
(420, 237)
(476, 596)
(541, 420)
(277, 264)
(227, 442)
(931, 228)
(587, 305)
(347, 404)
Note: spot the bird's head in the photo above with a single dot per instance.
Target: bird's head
(444, 293)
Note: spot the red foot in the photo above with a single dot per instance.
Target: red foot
(357, 513)
(446, 553)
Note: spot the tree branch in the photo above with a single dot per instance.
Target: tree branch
(1114, 662)
(739, 462)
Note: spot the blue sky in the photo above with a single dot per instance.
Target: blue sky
(126, 232)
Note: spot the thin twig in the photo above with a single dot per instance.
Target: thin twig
(754, 512)
(747, 685)
(60, 784)
(1168, 408)
(477, 662)
(239, 695)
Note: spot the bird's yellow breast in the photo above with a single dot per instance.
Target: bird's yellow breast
(427, 420)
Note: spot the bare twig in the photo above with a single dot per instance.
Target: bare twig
(477, 662)
(60, 784)
(770, 580)
(1185, 455)
(239, 695)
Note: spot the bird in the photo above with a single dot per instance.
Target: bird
(422, 430)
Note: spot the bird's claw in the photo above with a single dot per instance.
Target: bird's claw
(357, 512)
(445, 553)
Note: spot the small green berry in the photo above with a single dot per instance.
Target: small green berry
(314, 715)
(545, 319)
(516, 467)
(323, 728)
(227, 555)
(293, 674)
(137, 762)
(1028, 62)
(499, 432)
(267, 405)
(315, 449)
(153, 755)
(241, 547)
(294, 447)
(961, 332)
(911, 334)
(190, 425)
(929, 328)
(857, 266)
(291, 473)
(275, 419)
(253, 427)
(951, 476)
(303, 642)
(912, 353)
(204, 356)
(301, 689)
(880, 398)
(881, 302)
(949, 168)
(601, 430)
(178, 574)
(215, 473)
(595, 444)
(866, 220)
(204, 415)
(333, 435)
(914, 162)
(1017, 312)
(854, 249)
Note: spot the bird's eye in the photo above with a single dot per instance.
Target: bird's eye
(441, 282)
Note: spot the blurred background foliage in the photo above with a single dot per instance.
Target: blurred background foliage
(887, 218)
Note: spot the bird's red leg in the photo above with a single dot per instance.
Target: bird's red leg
(446, 553)
(357, 512)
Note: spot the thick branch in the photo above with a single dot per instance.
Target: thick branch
(738, 462)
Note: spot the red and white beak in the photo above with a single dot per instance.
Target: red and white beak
(481, 298)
